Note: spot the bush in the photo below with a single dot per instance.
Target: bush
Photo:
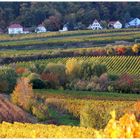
(58, 70)
(38, 83)
(80, 85)
(93, 117)
(50, 79)
(124, 83)
(40, 111)
(8, 78)
(33, 76)
(23, 94)
(73, 67)
(99, 69)
(37, 68)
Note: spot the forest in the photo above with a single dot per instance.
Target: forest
(55, 14)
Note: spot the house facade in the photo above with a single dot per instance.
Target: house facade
(65, 28)
(115, 24)
(15, 29)
(95, 25)
(40, 29)
(133, 23)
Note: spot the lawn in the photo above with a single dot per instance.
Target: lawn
(87, 95)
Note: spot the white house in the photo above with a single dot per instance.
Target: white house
(133, 23)
(65, 28)
(95, 25)
(40, 29)
(115, 24)
(15, 29)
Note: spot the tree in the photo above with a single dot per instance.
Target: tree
(52, 24)
(23, 94)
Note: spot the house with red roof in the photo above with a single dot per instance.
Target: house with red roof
(115, 24)
(95, 25)
(15, 29)
(40, 29)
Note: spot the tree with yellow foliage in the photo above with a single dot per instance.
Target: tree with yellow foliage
(136, 48)
(23, 94)
(73, 67)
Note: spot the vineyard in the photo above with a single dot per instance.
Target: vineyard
(114, 129)
(70, 83)
(115, 64)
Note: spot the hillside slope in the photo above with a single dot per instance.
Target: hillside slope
(11, 113)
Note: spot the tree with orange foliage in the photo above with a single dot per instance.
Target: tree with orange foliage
(23, 94)
(120, 50)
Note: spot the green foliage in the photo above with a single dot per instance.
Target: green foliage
(36, 81)
(40, 111)
(94, 117)
(38, 84)
(99, 69)
(8, 78)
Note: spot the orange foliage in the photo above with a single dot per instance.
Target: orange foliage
(23, 94)
(120, 50)
(21, 70)
(49, 77)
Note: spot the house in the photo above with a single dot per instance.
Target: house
(40, 29)
(65, 28)
(95, 25)
(15, 29)
(133, 23)
(115, 24)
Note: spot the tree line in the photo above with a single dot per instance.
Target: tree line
(55, 14)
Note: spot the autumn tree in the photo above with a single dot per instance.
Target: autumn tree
(136, 48)
(52, 24)
(23, 94)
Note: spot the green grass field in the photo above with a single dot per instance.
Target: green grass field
(87, 95)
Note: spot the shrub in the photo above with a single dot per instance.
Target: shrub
(57, 69)
(120, 50)
(37, 68)
(21, 70)
(113, 77)
(40, 111)
(103, 81)
(8, 79)
(38, 83)
(136, 48)
(124, 83)
(23, 94)
(93, 117)
(73, 68)
(33, 76)
(99, 69)
(86, 70)
(50, 79)
(80, 85)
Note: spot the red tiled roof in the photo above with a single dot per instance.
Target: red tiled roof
(15, 26)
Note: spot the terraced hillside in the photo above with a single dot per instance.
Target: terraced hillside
(10, 112)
